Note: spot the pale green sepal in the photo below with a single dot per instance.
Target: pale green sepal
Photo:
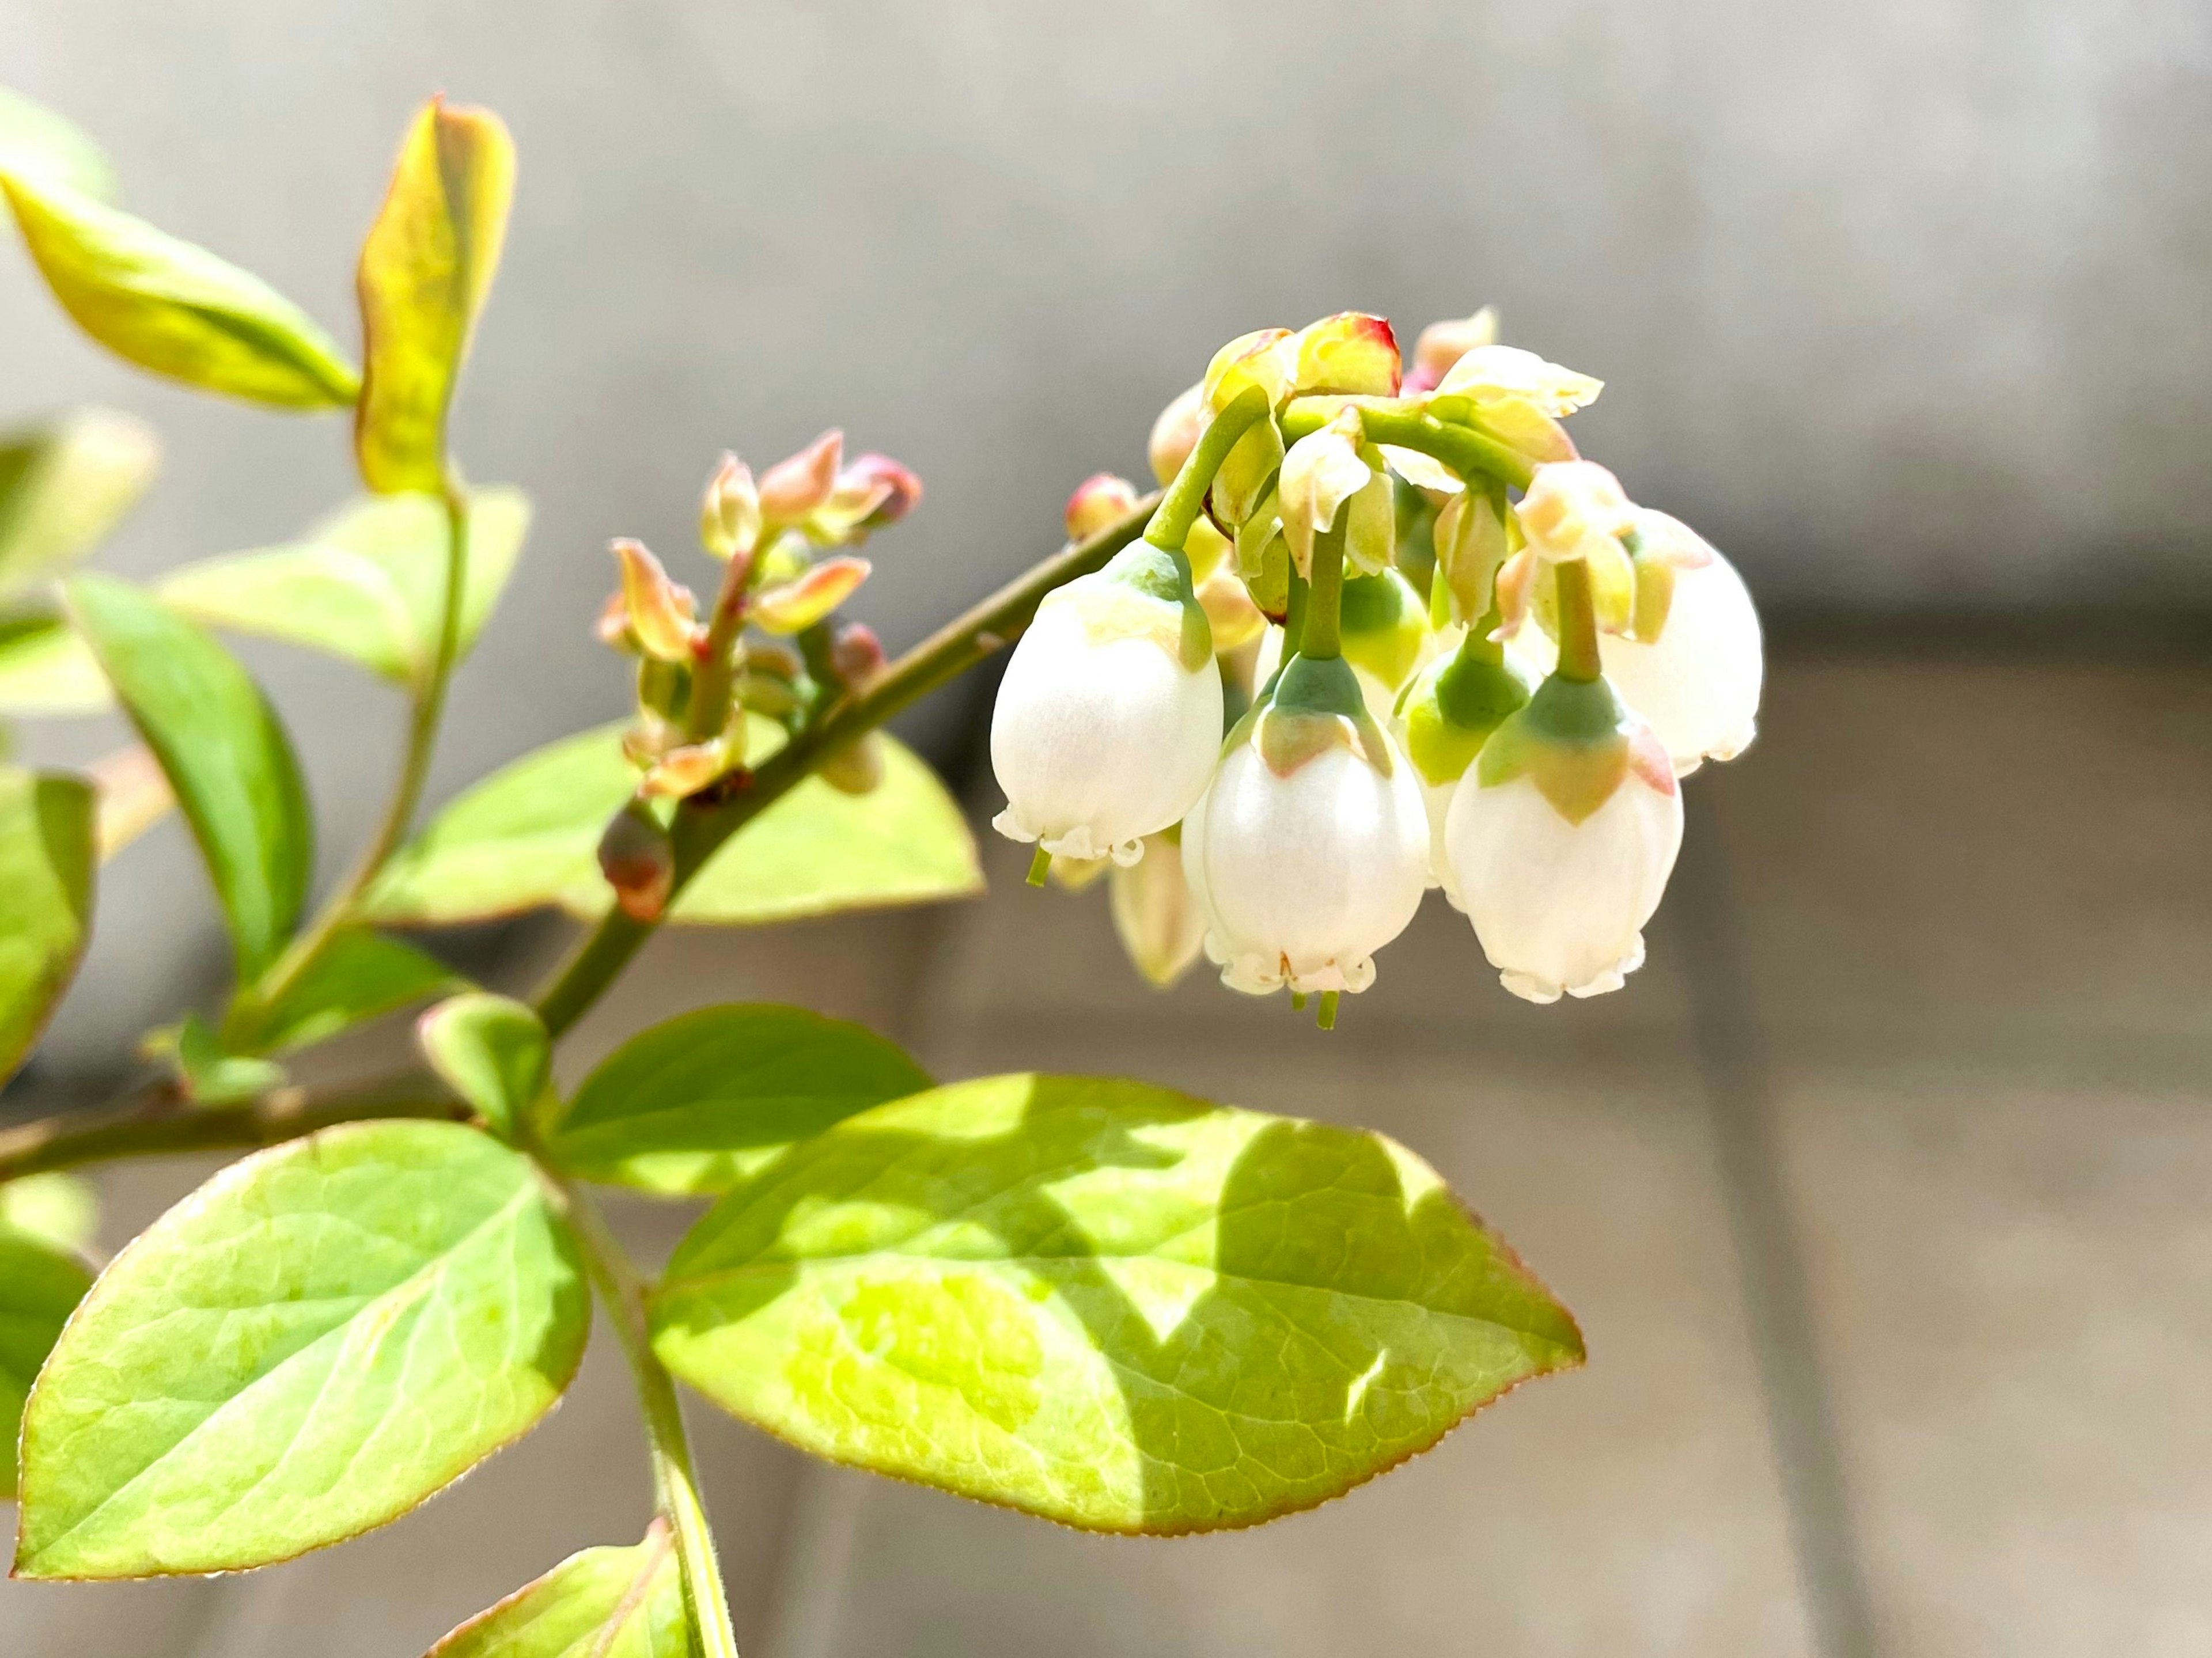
(1315, 705)
(1573, 739)
(1453, 707)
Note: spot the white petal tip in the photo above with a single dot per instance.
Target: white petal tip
(1012, 827)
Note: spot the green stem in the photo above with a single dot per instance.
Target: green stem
(1182, 501)
(675, 1483)
(1466, 452)
(711, 674)
(701, 827)
(1579, 657)
(1319, 639)
(427, 709)
(154, 1123)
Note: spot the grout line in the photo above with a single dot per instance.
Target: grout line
(1732, 1058)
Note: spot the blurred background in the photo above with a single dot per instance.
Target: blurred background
(1881, 1192)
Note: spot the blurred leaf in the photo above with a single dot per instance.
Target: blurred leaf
(37, 143)
(493, 1052)
(173, 308)
(359, 976)
(45, 669)
(222, 750)
(39, 1287)
(528, 836)
(59, 1210)
(319, 1338)
(367, 584)
(1102, 1303)
(603, 1603)
(704, 1101)
(46, 881)
(134, 795)
(64, 485)
(425, 270)
(209, 1073)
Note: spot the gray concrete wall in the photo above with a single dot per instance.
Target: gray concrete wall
(1904, 301)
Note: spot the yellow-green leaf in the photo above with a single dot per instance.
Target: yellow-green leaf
(602, 1603)
(38, 144)
(425, 270)
(174, 309)
(47, 670)
(369, 583)
(1102, 1303)
(40, 1286)
(64, 485)
(47, 862)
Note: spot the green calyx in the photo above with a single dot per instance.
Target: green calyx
(1382, 623)
(1164, 573)
(1572, 739)
(1314, 704)
(1456, 705)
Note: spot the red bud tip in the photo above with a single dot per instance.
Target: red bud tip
(1100, 500)
(856, 655)
(897, 489)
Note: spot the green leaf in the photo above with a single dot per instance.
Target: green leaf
(367, 584)
(45, 669)
(173, 308)
(37, 143)
(1104, 1302)
(47, 861)
(492, 1051)
(64, 485)
(425, 270)
(358, 976)
(209, 1073)
(528, 836)
(222, 750)
(59, 1210)
(39, 1287)
(603, 1603)
(321, 1338)
(705, 1101)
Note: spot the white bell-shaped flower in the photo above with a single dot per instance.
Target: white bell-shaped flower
(1443, 719)
(1110, 716)
(1560, 838)
(1309, 851)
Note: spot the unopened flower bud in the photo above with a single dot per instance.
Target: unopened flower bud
(1175, 433)
(1161, 923)
(1351, 354)
(873, 492)
(1443, 343)
(796, 485)
(730, 514)
(1698, 682)
(856, 768)
(659, 611)
(686, 770)
(856, 656)
(1490, 374)
(639, 861)
(797, 606)
(1560, 838)
(1446, 715)
(612, 627)
(1385, 628)
(1575, 510)
(1109, 716)
(1100, 500)
(1230, 611)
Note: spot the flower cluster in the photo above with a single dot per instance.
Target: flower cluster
(1446, 650)
(771, 647)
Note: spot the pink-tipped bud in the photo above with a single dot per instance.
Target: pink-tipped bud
(857, 657)
(639, 861)
(1099, 500)
(1175, 433)
(730, 514)
(895, 488)
(686, 770)
(795, 487)
(1443, 343)
(797, 606)
(660, 611)
(612, 627)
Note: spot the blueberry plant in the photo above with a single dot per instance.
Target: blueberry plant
(1444, 650)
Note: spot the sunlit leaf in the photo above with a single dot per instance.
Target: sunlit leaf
(46, 860)
(47, 670)
(698, 1103)
(528, 836)
(59, 1210)
(37, 143)
(492, 1051)
(602, 1603)
(321, 1337)
(1104, 1302)
(425, 270)
(359, 976)
(40, 1286)
(64, 485)
(173, 308)
(225, 755)
(367, 584)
